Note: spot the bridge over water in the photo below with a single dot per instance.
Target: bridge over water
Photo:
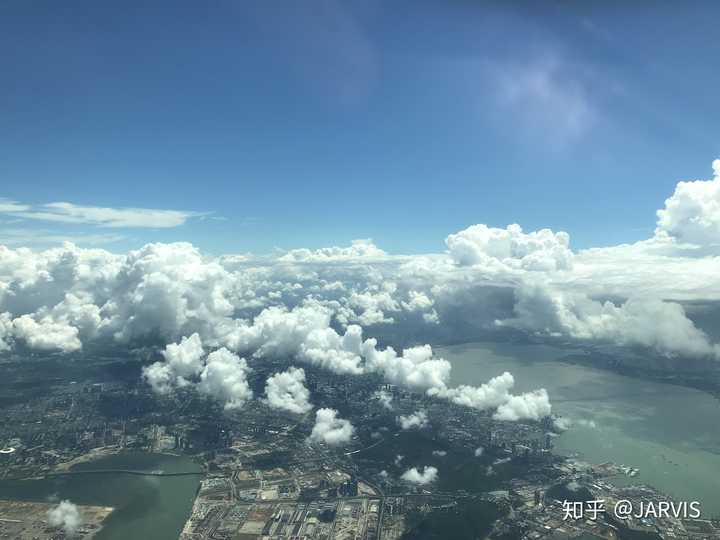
(126, 471)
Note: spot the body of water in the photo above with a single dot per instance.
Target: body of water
(668, 432)
(145, 506)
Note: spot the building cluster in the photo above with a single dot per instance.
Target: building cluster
(265, 479)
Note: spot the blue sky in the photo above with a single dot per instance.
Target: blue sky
(276, 126)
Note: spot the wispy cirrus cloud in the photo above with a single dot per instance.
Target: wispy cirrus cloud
(546, 96)
(9, 206)
(45, 237)
(100, 216)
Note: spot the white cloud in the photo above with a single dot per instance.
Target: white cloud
(420, 302)
(692, 213)
(439, 453)
(495, 394)
(373, 305)
(359, 249)
(417, 420)
(287, 391)
(330, 429)
(183, 361)
(221, 374)
(65, 212)
(8, 206)
(385, 399)
(416, 368)
(65, 515)
(185, 357)
(46, 334)
(564, 423)
(492, 394)
(224, 377)
(171, 291)
(530, 405)
(17, 236)
(307, 306)
(547, 98)
(6, 331)
(542, 250)
(646, 322)
(429, 474)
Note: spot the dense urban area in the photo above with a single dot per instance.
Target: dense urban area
(451, 472)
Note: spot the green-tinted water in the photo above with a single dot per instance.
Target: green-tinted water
(669, 432)
(146, 507)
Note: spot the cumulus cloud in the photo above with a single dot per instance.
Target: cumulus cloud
(479, 451)
(439, 453)
(530, 405)
(224, 377)
(183, 361)
(421, 303)
(360, 249)
(221, 374)
(692, 213)
(417, 420)
(306, 334)
(372, 305)
(645, 322)
(170, 291)
(330, 429)
(429, 474)
(65, 515)
(495, 394)
(46, 334)
(5, 331)
(486, 396)
(287, 391)
(542, 250)
(333, 308)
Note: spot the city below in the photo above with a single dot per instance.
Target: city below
(416, 467)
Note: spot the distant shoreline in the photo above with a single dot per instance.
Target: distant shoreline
(708, 383)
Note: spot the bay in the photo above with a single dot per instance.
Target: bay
(145, 506)
(669, 432)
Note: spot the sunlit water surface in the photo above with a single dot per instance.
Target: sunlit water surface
(668, 432)
(146, 507)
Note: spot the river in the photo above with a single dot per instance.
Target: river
(145, 506)
(669, 432)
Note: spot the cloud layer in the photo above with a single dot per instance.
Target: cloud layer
(338, 308)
